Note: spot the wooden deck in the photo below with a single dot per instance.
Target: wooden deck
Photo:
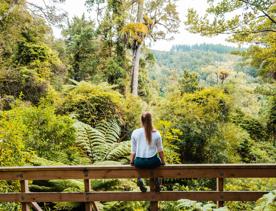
(196, 171)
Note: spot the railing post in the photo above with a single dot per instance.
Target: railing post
(220, 189)
(24, 189)
(89, 206)
(87, 188)
(153, 204)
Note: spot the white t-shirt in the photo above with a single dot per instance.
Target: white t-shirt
(140, 146)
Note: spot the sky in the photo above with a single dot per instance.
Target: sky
(77, 8)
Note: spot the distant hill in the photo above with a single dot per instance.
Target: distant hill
(196, 58)
(218, 48)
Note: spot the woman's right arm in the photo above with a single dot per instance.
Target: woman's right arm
(161, 155)
(132, 157)
(159, 146)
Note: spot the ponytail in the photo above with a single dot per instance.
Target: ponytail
(147, 124)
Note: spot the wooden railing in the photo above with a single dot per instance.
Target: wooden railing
(218, 171)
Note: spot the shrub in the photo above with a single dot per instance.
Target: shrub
(197, 115)
(256, 130)
(23, 83)
(40, 130)
(92, 103)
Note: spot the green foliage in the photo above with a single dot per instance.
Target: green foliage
(82, 48)
(255, 184)
(9, 206)
(132, 108)
(122, 206)
(101, 143)
(261, 57)
(28, 64)
(271, 125)
(217, 112)
(255, 25)
(12, 140)
(189, 82)
(267, 202)
(92, 104)
(197, 116)
(49, 135)
(115, 74)
(189, 205)
(218, 48)
(170, 138)
(204, 60)
(256, 130)
(223, 146)
(23, 83)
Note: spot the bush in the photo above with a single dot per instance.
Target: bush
(12, 140)
(256, 130)
(223, 146)
(40, 130)
(23, 83)
(92, 103)
(197, 115)
(255, 184)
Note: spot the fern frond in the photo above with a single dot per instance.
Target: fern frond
(101, 143)
(91, 140)
(111, 130)
(118, 151)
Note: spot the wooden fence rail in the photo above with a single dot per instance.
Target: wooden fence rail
(217, 171)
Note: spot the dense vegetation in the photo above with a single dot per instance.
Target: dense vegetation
(68, 101)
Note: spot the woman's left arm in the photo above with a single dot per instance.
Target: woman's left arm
(133, 149)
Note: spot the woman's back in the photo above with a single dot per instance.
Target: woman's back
(140, 145)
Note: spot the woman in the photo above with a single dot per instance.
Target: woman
(146, 142)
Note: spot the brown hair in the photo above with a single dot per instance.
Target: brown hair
(147, 124)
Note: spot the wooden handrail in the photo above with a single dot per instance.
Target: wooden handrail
(216, 171)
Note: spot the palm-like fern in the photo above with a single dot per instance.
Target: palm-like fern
(102, 142)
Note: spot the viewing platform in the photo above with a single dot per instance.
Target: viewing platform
(86, 173)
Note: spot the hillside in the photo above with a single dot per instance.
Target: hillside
(204, 59)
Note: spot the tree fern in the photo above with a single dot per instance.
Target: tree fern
(111, 130)
(119, 150)
(102, 142)
(91, 140)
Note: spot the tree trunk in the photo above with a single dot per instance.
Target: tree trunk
(135, 70)
(136, 53)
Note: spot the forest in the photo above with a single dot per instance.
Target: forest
(75, 100)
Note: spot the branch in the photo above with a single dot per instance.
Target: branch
(269, 17)
(40, 9)
(261, 10)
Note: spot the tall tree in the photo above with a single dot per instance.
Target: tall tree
(143, 19)
(82, 48)
(136, 51)
(256, 24)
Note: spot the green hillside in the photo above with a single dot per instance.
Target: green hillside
(203, 59)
